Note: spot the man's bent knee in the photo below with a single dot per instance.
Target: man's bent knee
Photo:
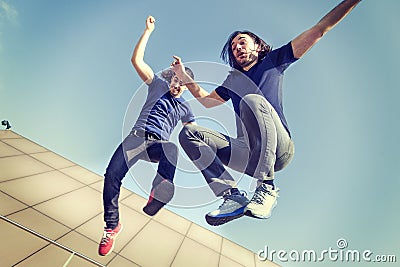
(188, 132)
(253, 100)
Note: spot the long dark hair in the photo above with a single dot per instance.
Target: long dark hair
(227, 54)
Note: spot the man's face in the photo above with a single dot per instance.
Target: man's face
(176, 88)
(245, 50)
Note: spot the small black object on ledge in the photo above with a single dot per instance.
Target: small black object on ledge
(6, 123)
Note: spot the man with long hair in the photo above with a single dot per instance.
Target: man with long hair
(263, 144)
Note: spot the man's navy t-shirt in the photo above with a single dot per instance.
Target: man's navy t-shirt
(161, 111)
(265, 78)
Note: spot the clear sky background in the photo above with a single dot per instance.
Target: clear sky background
(66, 82)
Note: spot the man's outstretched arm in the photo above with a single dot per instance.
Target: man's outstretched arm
(144, 71)
(302, 43)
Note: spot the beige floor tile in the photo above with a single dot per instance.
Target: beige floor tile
(39, 223)
(25, 145)
(6, 134)
(227, 262)
(237, 253)
(194, 254)
(81, 174)
(52, 159)
(6, 150)
(98, 186)
(75, 208)
(131, 220)
(80, 262)
(9, 205)
(92, 229)
(265, 263)
(123, 194)
(205, 237)
(84, 246)
(20, 166)
(19, 245)
(135, 202)
(48, 257)
(155, 245)
(121, 262)
(41, 187)
(172, 220)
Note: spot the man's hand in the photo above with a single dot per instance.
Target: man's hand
(178, 67)
(150, 21)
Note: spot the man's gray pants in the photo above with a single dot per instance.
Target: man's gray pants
(264, 147)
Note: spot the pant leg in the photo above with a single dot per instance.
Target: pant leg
(132, 147)
(266, 136)
(166, 154)
(115, 172)
(209, 151)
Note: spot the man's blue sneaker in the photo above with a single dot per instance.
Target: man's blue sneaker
(232, 208)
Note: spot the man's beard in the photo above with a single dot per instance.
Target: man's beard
(251, 60)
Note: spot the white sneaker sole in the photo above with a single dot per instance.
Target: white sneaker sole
(256, 213)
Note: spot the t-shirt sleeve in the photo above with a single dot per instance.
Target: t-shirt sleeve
(189, 116)
(282, 57)
(223, 91)
(158, 84)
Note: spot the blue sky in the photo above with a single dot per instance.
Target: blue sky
(66, 82)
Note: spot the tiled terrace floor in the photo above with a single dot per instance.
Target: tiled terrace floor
(62, 201)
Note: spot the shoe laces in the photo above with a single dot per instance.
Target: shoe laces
(261, 193)
(107, 234)
(228, 197)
